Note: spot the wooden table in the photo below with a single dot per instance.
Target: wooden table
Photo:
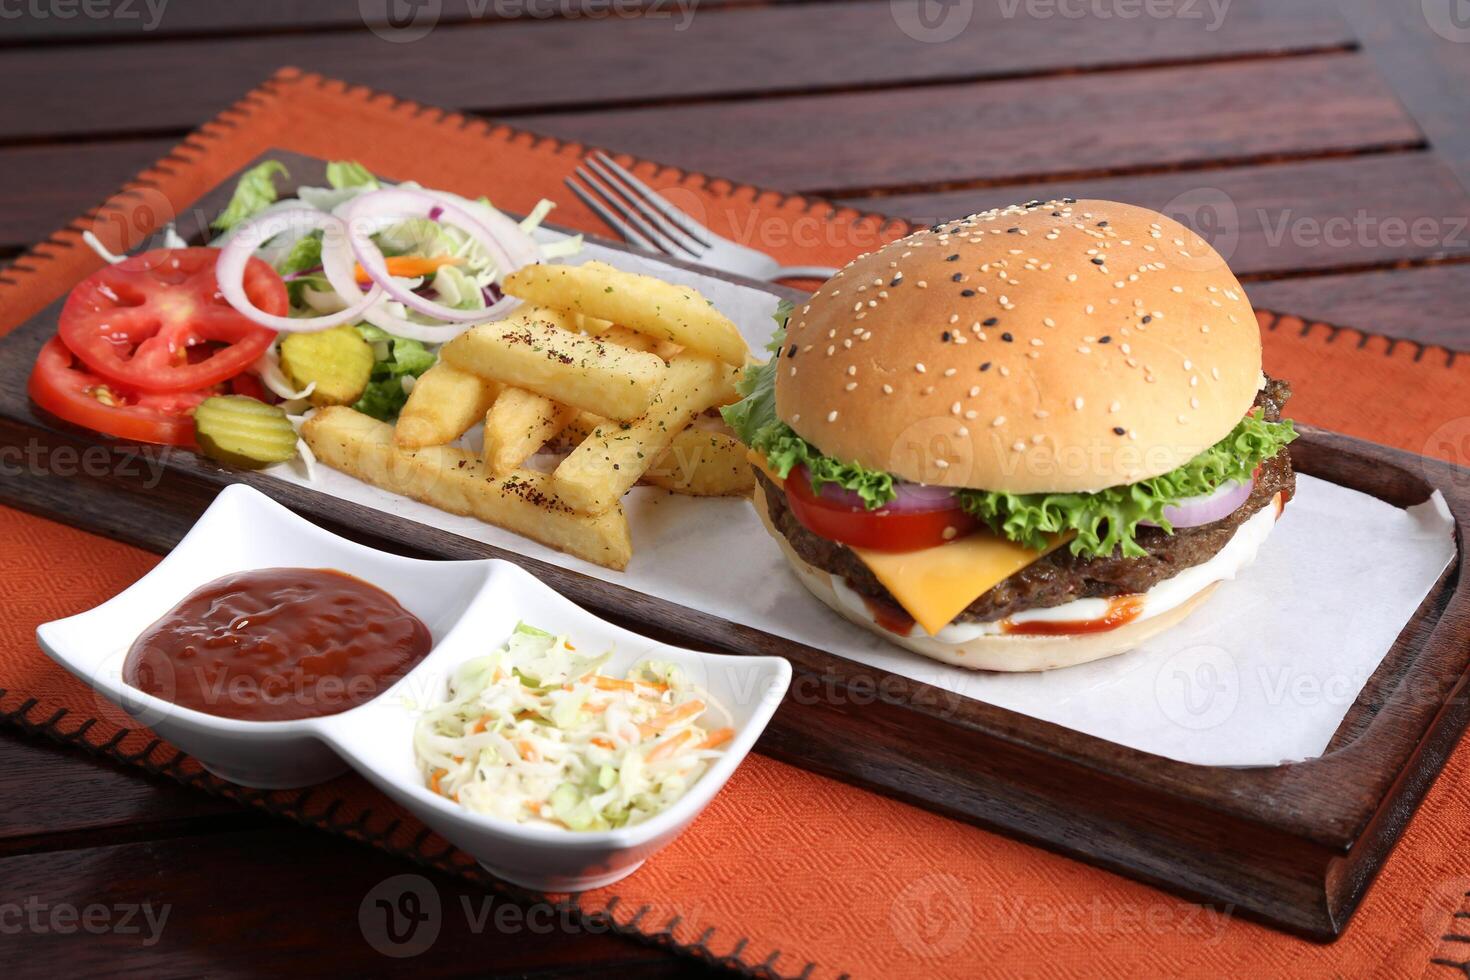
(1321, 143)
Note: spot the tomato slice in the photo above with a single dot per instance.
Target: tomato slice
(157, 321)
(882, 530)
(69, 391)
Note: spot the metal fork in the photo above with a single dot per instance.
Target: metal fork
(646, 219)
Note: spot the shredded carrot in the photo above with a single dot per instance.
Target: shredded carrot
(674, 715)
(434, 780)
(528, 751)
(614, 684)
(668, 746)
(598, 740)
(480, 725)
(410, 266)
(525, 715)
(716, 738)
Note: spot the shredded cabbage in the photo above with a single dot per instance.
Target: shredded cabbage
(536, 733)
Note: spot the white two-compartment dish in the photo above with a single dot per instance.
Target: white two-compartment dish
(470, 608)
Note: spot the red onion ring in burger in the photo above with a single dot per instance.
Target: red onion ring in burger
(1207, 508)
(912, 498)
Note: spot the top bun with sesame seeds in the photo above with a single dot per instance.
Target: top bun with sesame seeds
(1060, 346)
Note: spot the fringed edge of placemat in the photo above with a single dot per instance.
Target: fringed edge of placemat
(425, 848)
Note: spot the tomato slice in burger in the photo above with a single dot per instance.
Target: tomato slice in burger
(74, 394)
(157, 321)
(904, 525)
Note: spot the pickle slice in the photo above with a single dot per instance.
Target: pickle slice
(338, 360)
(243, 432)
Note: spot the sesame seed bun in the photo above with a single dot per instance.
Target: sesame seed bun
(1065, 346)
(1004, 652)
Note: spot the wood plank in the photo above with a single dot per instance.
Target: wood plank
(283, 901)
(1329, 214)
(56, 795)
(1428, 305)
(1423, 52)
(47, 186)
(141, 20)
(723, 52)
(908, 140)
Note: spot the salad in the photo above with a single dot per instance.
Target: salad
(538, 734)
(338, 296)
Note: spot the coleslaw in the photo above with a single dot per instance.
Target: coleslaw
(538, 734)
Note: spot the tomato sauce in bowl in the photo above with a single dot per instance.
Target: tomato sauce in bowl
(278, 644)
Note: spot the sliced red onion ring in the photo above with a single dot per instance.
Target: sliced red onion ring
(913, 498)
(1208, 508)
(521, 247)
(229, 269)
(406, 204)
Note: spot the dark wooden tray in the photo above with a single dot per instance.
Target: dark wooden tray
(1294, 845)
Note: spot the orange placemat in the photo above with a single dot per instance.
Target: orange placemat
(786, 872)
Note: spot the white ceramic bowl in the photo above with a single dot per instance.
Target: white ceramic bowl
(470, 608)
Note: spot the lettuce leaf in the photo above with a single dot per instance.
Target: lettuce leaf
(755, 423)
(255, 192)
(305, 254)
(756, 409)
(342, 174)
(384, 397)
(1107, 520)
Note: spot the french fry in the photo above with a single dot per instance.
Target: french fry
(443, 404)
(519, 424)
(590, 324)
(455, 481)
(534, 350)
(699, 462)
(633, 340)
(651, 306)
(609, 461)
(703, 463)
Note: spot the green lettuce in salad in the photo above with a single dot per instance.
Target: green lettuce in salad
(342, 174)
(394, 359)
(1103, 522)
(255, 192)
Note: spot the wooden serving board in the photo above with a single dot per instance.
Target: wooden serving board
(1295, 845)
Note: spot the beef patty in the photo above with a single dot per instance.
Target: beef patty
(1061, 576)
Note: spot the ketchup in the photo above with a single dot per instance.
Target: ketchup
(889, 615)
(1122, 610)
(278, 644)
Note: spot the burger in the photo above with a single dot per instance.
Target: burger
(1021, 440)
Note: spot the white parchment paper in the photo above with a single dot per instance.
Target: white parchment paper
(1263, 673)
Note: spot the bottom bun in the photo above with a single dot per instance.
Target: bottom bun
(1015, 653)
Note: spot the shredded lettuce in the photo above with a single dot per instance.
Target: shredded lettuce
(1103, 522)
(1107, 520)
(255, 192)
(342, 174)
(305, 254)
(457, 290)
(398, 357)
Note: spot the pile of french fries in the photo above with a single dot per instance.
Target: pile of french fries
(618, 369)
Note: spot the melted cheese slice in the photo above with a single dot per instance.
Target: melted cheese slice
(936, 584)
